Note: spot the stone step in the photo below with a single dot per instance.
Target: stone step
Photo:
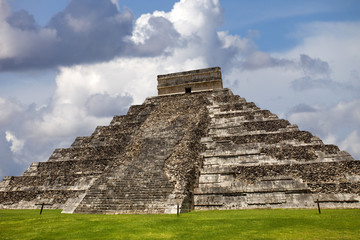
(117, 120)
(262, 137)
(50, 181)
(86, 153)
(69, 167)
(238, 160)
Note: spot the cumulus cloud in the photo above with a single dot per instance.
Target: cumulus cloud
(352, 143)
(306, 83)
(313, 66)
(302, 108)
(104, 105)
(21, 38)
(22, 20)
(200, 18)
(7, 162)
(9, 110)
(16, 144)
(334, 43)
(85, 31)
(337, 124)
(257, 60)
(316, 75)
(153, 35)
(95, 31)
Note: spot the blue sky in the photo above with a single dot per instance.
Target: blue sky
(68, 66)
(274, 20)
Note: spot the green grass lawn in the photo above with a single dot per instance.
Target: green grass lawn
(237, 224)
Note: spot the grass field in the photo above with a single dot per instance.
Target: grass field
(239, 224)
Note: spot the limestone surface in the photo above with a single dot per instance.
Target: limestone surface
(200, 150)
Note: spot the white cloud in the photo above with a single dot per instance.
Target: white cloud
(78, 24)
(333, 42)
(18, 41)
(4, 10)
(9, 109)
(16, 144)
(105, 105)
(352, 143)
(86, 31)
(116, 3)
(199, 17)
(337, 124)
(313, 66)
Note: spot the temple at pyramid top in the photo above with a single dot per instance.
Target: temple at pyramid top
(190, 81)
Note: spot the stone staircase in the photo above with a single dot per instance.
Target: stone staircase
(142, 182)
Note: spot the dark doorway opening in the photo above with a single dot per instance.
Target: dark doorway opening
(188, 90)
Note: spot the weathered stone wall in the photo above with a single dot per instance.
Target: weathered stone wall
(255, 160)
(197, 80)
(328, 177)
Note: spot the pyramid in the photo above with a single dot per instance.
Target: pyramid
(197, 146)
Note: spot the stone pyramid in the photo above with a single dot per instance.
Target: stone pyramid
(195, 145)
